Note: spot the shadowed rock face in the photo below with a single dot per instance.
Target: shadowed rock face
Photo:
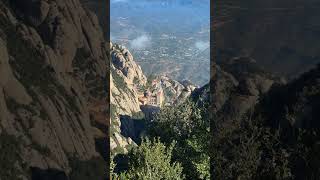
(294, 105)
(53, 69)
(237, 88)
(49, 174)
(282, 36)
(101, 10)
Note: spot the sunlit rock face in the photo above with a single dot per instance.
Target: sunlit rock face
(125, 75)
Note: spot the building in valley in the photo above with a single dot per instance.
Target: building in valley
(154, 97)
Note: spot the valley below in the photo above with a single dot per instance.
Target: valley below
(161, 41)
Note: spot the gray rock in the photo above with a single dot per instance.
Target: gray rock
(52, 90)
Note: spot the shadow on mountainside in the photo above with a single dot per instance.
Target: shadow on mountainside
(134, 126)
(47, 174)
(131, 127)
(149, 111)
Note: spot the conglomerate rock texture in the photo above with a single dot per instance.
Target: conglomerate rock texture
(53, 67)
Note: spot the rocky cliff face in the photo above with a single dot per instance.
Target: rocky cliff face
(125, 75)
(238, 85)
(280, 35)
(53, 69)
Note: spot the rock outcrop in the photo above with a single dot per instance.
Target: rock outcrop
(176, 92)
(238, 86)
(124, 77)
(53, 66)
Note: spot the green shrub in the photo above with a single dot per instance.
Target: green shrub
(188, 125)
(138, 115)
(152, 160)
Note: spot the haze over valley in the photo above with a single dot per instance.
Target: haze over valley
(166, 37)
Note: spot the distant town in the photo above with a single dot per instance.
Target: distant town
(179, 52)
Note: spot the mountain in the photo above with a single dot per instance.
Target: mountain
(125, 74)
(293, 105)
(53, 66)
(128, 84)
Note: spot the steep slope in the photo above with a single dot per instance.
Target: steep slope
(125, 75)
(176, 92)
(294, 105)
(53, 69)
(238, 86)
(100, 8)
(264, 125)
(292, 111)
(280, 134)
